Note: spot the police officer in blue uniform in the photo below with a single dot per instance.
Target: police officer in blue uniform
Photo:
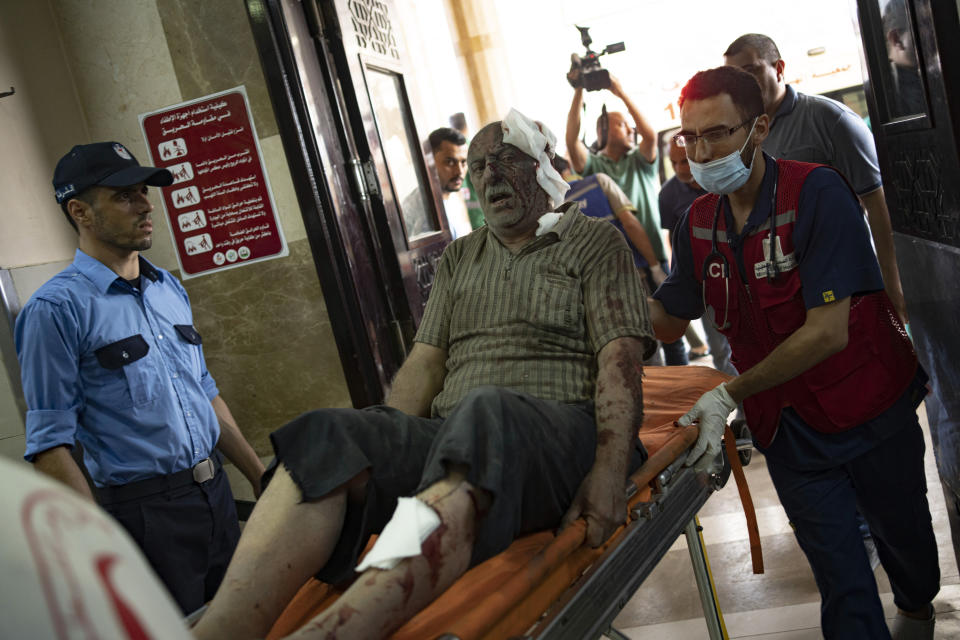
(110, 359)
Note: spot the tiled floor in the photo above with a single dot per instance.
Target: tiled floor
(782, 603)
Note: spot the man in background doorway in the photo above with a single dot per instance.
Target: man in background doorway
(459, 122)
(450, 157)
(813, 128)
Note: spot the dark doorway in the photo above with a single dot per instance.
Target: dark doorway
(913, 58)
(338, 78)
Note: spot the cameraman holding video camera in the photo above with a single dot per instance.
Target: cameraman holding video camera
(630, 162)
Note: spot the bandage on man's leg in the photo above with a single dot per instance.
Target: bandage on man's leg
(284, 543)
(380, 601)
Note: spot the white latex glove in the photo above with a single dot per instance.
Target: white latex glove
(712, 410)
(658, 275)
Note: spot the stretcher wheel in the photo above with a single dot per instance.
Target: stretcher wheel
(742, 432)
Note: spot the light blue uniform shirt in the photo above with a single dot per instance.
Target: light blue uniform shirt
(119, 370)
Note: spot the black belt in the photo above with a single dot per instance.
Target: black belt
(202, 472)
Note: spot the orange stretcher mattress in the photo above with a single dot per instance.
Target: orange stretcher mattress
(506, 594)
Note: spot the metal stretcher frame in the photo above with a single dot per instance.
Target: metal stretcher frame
(589, 607)
(554, 586)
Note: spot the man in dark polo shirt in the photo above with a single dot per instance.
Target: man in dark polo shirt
(515, 411)
(812, 128)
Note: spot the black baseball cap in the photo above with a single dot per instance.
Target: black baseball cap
(109, 164)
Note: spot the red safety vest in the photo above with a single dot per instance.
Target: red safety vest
(849, 387)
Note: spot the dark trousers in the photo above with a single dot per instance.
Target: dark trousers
(529, 454)
(888, 486)
(188, 535)
(675, 353)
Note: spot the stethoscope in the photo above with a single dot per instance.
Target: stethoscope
(773, 270)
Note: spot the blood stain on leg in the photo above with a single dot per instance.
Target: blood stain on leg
(432, 554)
(346, 612)
(479, 510)
(604, 437)
(406, 583)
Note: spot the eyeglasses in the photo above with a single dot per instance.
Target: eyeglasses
(710, 137)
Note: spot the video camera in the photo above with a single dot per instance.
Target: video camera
(592, 76)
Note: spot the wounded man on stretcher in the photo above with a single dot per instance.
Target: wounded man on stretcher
(515, 412)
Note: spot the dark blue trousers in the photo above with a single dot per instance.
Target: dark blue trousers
(188, 536)
(530, 455)
(888, 486)
(675, 353)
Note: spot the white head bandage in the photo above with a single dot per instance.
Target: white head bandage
(538, 142)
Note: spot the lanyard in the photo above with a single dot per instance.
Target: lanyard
(716, 257)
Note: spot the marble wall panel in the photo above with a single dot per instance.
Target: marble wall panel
(212, 48)
(120, 64)
(281, 185)
(121, 67)
(268, 342)
(13, 447)
(11, 421)
(38, 123)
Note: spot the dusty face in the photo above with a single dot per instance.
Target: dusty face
(120, 217)
(769, 75)
(505, 180)
(620, 133)
(451, 162)
(681, 166)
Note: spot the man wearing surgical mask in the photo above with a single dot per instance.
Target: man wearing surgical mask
(778, 257)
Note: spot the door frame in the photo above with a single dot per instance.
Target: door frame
(324, 184)
(409, 263)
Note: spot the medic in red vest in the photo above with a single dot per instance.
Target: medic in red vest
(777, 255)
(837, 364)
(756, 315)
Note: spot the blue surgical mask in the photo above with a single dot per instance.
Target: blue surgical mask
(726, 174)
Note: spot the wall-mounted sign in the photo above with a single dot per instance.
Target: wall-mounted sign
(220, 207)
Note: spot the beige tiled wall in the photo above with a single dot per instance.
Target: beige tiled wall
(121, 66)
(26, 280)
(12, 440)
(36, 123)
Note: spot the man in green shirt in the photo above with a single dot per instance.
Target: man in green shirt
(630, 162)
(516, 411)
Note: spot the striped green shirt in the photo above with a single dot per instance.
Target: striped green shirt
(534, 321)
